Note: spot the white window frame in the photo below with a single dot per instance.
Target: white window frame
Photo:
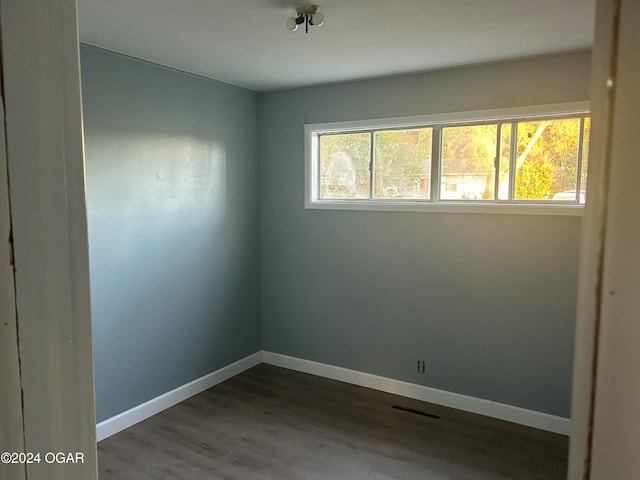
(312, 162)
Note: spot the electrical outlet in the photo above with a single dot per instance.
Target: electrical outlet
(421, 366)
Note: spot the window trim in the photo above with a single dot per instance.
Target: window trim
(515, 114)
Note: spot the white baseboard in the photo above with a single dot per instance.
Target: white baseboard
(466, 403)
(126, 419)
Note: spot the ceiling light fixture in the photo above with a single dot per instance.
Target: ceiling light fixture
(307, 14)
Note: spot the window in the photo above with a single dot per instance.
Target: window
(534, 157)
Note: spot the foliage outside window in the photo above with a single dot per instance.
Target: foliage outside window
(519, 160)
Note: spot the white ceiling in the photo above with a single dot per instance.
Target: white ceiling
(245, 42)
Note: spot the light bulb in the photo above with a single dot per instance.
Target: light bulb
(317, 19)
(292, 24)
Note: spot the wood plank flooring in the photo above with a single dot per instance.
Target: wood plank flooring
(270, 423)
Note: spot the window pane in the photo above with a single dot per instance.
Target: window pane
(344, 165)
(505, 160)
(585, 159)
(402, 167)
(547, 160)
(468, 157)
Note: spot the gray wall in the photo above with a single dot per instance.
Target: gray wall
(173, 226)
(487, 300)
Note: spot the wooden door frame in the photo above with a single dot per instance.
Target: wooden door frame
(44, 264)
(604, 434)
(611, 446)
(11, 434)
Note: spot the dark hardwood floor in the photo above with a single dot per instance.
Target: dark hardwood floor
(277, 424)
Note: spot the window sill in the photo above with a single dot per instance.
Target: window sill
(506, 208)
